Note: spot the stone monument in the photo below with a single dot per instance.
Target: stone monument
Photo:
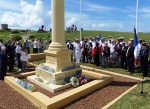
(58, 68)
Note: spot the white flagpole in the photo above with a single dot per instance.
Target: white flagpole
(80, 20)
(137, 16)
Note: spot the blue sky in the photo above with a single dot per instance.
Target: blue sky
(109, 15)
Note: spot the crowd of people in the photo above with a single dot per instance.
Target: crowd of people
(71, 29)
(118, 53)
(17, 54)
(38, 45)
(91, 50)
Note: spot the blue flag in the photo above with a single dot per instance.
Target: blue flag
(136, 48)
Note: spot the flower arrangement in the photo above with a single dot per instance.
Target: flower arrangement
(74, 81)
(82, 79)
(77, 81)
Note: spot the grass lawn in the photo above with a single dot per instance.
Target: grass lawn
(134, 100)
(126, 35)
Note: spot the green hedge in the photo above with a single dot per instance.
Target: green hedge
(16, 38)
(15, 31)
(31, 36)
(22, 30)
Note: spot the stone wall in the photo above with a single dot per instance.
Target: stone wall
(36, 57)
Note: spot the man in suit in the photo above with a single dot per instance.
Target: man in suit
(144, 52)
(96, 55)
(130, 57)
(85, 51)
(11, 53)
(3, 63)
(69, 45)
(118, 47)
(106, 54)
(123, 56)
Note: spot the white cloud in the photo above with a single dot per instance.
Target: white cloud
(49, 13)
(146, 15)
(71, 21)
(99, 25)
(32, 9)
(145, 10)
(96, 7)
(31, 15)
(9, 4)
(132, 16)
(69, 15)
(21, 20)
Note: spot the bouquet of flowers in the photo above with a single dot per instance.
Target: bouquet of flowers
(74, 81)
(77, 81)
(82, 79)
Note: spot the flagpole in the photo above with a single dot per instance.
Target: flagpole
(137, 16)
(80, 19)
(142, 92)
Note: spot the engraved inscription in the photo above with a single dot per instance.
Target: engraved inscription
(51, 60)
(64, 60)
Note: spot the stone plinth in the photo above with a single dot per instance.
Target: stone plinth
(50, 75)
(58, 60)
(50, 87)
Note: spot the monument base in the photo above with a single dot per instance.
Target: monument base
(50, 87)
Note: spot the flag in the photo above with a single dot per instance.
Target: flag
(93, 48)
(100, 46)
(136, 48)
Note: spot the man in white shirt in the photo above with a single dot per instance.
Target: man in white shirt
(18, 54)
(140, 44)
(82, 44)
(74, 54)
(35, 46)
(78, 51)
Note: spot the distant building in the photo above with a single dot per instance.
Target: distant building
(4, 26)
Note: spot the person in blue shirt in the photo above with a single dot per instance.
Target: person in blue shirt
(27, 45)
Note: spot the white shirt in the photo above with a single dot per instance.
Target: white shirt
(139, 45)
(1, 44)
(109, 44)
(74, 43)
(18, 49)
(24, 56)
(112, 48)
(81, 42)
(35, 44)
(77, 46)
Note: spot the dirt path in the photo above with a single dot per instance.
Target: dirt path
(24, 37)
